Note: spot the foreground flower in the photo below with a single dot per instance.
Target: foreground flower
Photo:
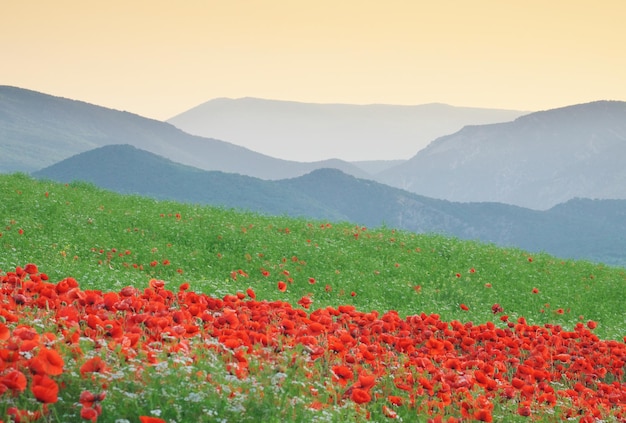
(45, 389)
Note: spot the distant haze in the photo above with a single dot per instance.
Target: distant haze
(159, 58)
(309, 132)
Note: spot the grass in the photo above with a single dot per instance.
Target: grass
(99, 237)
(107, 242)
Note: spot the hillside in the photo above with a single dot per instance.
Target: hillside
(584, 229)
(292, 130)
(535, 161)
(234, 315)
(39, 130)
(128, 170)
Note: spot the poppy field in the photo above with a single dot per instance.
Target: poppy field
(127, 309)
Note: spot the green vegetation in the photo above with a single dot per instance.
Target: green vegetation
(107, 241)
(194, 313)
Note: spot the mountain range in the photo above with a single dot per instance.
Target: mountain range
(290, 129)
(536, 161)
(520, 183)
(581, 228)
(38, 130)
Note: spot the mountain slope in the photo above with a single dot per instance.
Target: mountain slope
(289, 129)
(536, 161)
(38, 130)
(584, 229)
(128, 170)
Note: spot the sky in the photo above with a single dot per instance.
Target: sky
(160, 58)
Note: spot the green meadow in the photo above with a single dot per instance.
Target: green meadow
(292, 267)
(107, 241)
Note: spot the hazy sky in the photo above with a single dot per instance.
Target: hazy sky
(160, 58)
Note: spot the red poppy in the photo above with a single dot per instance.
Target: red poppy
(342, 374)
(464, 307)
(47, 362)
(150, 419)
(483, 415)
(360, 396)
(282, 286)
(31, 269)
(5, 333)
(395, 400)
(14, 380)
(89, 413)
(305, 302)
(93, 365)
(45, 389)
(366, 381)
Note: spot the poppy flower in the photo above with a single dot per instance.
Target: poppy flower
(464, 307)
(31, 269)
(342, 374)
(366, 381)
(282, 286)
(395, 400)
(150, 419)
(93, 365)
(14, 380)
(45, 389)
(483, 415)
(89, 413)
(305, 302)
(496, 308)
(47, 362)
(360, 396)
(5, 333)
(251, 293)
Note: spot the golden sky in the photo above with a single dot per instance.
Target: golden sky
(159, 58)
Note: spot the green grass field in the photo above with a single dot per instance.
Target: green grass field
(108, 241)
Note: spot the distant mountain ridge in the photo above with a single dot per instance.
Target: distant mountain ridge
(536, 161)
(128, 170)
(38, 130)
(582, 229)
(290, 129)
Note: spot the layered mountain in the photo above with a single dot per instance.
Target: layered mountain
(536, 161)
(38, 130)
(582, 229)
(289, 129)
